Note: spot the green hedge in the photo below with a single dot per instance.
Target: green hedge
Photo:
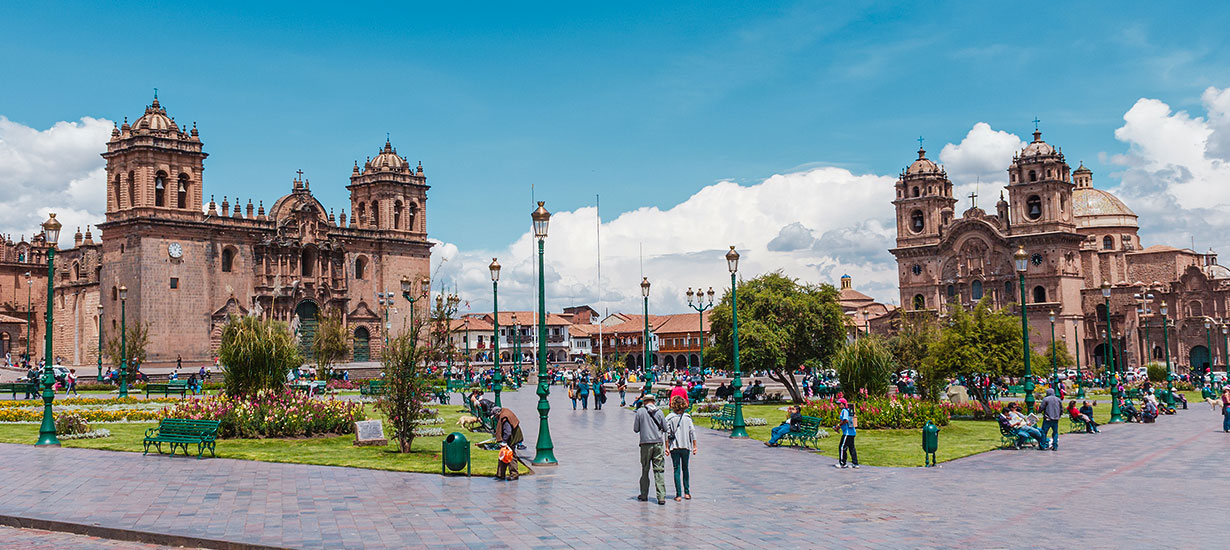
(890, 413)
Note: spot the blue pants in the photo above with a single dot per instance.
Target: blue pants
(1225, 422)
(1051, 426)
(778, 432)
(585, 401)
(1031, 432)
(679, 458)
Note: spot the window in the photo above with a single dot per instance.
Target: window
(115, 294)
(76, 271)
(174, 283)
(1101, 313)
(375, 214)
(916, 221)
(976, 290)
(132, 189)
(1009, 291)
(362, 214)
(160, 189)
(228, 259)
(951, 291)
(1033, 207)
(360, 267)
(182, 192)
(1108, 243)
(1039, 294)
(115, 189)
(414, 214)
(920, 302)
(1033, 176)
(307, 262)
(397, 208)
(1195, 309)
(915, 190)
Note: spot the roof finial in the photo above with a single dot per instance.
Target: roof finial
(1036, 121)
(155, 93)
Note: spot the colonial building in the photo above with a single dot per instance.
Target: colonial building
(187, 266)
(1076, 237)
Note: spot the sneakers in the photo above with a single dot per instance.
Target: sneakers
(855, 466)
(661, 503)
(839, 465)
(642, 499)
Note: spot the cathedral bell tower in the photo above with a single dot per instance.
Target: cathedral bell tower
(389, 195)
(1040, 190)
(924, 203)
(154, 167)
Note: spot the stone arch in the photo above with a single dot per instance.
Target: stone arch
(362, 344)
(160, 188)
(920, 302)
(670, 362)
(181, 192)
(1039, 294)
(132, 188)
(1198, 358)
(1195, 309)
(397, 209)
(360, 267)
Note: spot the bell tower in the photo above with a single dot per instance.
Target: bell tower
(389, 195)
(1040, 190)
(154, 167)
(924, 202)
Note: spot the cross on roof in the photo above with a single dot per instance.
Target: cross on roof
(920, 142)
(1036, 121)
(300, 172)
(973, 200)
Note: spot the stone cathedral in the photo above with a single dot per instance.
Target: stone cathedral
(1076, 237)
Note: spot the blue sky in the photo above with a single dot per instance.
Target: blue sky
(644, 103)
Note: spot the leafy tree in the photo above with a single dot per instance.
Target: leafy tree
(864, 365)
(783, 325)
(910, 347)
(407, 384)
(979, 342)
(137, 341)
(331, 342)
(1040, 359)
(256, 354)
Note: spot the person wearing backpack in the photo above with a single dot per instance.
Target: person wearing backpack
(847, 425)
(650, 425)
(680, 441)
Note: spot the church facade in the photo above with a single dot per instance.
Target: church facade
(188, 265)
(1077, 238)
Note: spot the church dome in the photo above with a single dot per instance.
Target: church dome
(388, 160)
(923, 165)
(155, 118)
(1097, 208)
(1216, 271)
(1038, 147)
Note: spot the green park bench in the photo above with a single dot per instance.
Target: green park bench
(1133, 393)
(1015, 390)
(373, 387)
(180, 432)
(170, 387)
(724, 419)
(456, 385)
(488, 421)
(311, 387)
(808, 433)
(23, 387)
(754, 393)
(1075, 424)
(442, 395)
(1009, 438)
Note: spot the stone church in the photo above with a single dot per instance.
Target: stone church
(1076, 237)
(188, 265)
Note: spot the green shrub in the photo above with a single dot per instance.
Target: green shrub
(880, 413)
(257, 354)
(1157, 372)
(864, 367)
(70, 423)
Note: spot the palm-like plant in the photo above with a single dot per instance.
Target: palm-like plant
(256, 354)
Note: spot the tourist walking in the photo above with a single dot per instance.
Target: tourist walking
(1052, 410)
(1225, 408)
(622, 386)
(681, 441)
(650, 424)
(572, 393)
(599, 394)
(70, 382)
(846, 425)
(583, 390)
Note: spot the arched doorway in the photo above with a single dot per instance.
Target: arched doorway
(695, 360)
(1099, 357)
(362, 346)
(682, 362)
(670, 361)
(306, 313)
(1198, 359)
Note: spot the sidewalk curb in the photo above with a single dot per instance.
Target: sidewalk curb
(128, 535)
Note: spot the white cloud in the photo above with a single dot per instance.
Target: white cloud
(53, 170)
(980, 163)
(685, 244)
(1175, 170)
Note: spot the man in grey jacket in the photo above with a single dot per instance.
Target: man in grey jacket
(650, 424)
(1052, 410)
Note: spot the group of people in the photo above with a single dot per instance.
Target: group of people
(581, 388)
(1023, 427)
(847, 426)
(674, 434)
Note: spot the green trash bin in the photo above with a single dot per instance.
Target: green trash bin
(455, 453)
(930, 443)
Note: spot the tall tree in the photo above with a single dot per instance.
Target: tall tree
(783, 325)
(134, 346)
(407, 384)
(330, 343)
(979, 342)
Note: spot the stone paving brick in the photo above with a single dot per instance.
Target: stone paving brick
(1091, 494)
(35, 539)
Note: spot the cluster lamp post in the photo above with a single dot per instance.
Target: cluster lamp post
(545, 448)
(29, 313)
(1225, 347)
(47, 432)
(645, 294)
(385, 299)
(123, 341)
(1054, 362)
(497, 379)
(700, 306)
(1115, 415)
(1208, 342)
(100, 341)
(1022, 263)
(739, 429)
(1080, 376)
(407, 292)
(1166, 343)
(516, 327)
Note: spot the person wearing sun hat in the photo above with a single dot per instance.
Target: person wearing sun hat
(846, 426)
(650, 424)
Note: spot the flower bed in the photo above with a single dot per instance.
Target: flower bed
(884, 413)
(271, 414)
(90, 415)
(84, 401)
(93, 434)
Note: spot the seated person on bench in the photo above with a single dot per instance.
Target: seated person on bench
(1020, 424)
(1128, 410)
(792, 423)
(1149, 413)
(1077, 415)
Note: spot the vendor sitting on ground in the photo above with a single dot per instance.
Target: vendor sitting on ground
(792, 423)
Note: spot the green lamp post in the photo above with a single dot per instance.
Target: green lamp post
(497, 379)
(123, 341)
(1080, 376)
(1022, 263)
(407, 292)
(739, 429)
(1208, 342)
(1054, 361)
(700, 306)
(545, 448)
(1225, 347)
(516, 327)
(1115, 415)
(100, 341)
(29, 314)
(466, 322)
(645, 294)
(47, 431)
(1166, 340)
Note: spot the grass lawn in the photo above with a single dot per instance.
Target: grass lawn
(327, 451)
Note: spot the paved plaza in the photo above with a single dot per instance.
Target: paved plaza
(1132, 486)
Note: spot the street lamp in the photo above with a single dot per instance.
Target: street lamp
(498, 379)
(1022, 263)
(29, 314)
(645, 294)
(545, 449)
(866, 323)
(466, 322)
(1166, 343)
(1080, 376)
(100, 340)
(1112, 375)
(47, 432)
(1208, 342)
(739, 429)
(385, 299)
(1054, 362)
(700, 306)
(516, 326)
(407, 293)
(1225, 347)
(123, 341)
